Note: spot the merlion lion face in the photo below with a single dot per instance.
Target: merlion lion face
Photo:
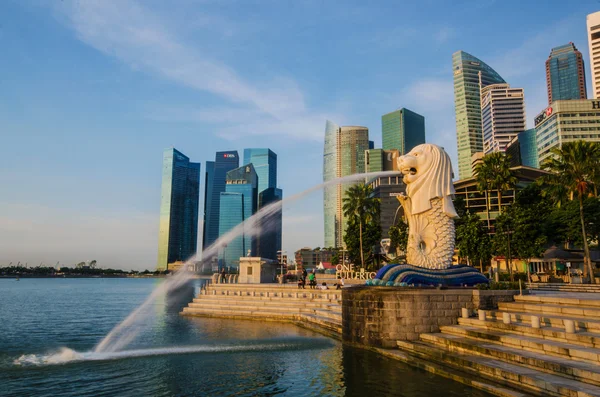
(415, 164)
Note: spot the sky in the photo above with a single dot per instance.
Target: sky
(92, 91)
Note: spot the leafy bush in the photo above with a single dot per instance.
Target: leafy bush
(502, 285)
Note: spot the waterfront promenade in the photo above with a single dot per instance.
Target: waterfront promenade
(546, 343)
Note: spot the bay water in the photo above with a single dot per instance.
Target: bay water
(50, 326)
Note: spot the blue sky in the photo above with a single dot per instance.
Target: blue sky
(93, 91)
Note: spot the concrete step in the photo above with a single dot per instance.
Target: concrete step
(517, 376)
(555, 309)
(225, 298)
(586, 339)
(564, 287)
(268, 303)
(577, 370)
(581, 323)
(272, 296)
(265, 315)
(563, 299)
(266, 288)
(553, 348)
(250, 308)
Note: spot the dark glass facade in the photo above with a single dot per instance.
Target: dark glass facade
(237, 204)
(269, 239)
(386, 189)
(216, 173)
(528, 146)
(180, 191)
(565, 76)
(402, 130)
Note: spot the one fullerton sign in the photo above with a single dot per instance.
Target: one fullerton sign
(349, 272)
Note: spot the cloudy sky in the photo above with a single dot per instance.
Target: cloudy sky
(92, 91)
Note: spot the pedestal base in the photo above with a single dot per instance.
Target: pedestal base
(397, 275)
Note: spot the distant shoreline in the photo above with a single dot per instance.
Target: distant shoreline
(198, 276)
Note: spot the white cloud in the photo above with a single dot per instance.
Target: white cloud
(126, 30)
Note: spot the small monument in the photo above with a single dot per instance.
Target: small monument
(430, 213)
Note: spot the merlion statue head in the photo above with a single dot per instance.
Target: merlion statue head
(428, 174)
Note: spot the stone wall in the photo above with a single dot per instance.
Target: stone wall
(380, 316)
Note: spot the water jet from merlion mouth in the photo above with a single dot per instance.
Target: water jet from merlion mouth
(126, 331)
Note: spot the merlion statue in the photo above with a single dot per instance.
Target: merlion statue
(428, 206)
(430, 213)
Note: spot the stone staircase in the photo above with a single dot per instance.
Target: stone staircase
(545, 345)
(319, 310)
(564, 287)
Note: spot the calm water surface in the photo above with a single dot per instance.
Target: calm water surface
(39, 317)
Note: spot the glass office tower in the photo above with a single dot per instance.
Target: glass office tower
(343, 155)
(216, 172)
(238, 203)
(402, 130)
(467, 104)
(271, 226)
(178, 230)
(565, 76)
(265, 165)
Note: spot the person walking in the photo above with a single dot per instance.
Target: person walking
(223, 275)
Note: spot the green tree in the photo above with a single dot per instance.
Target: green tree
(502, 240)
(494, 173)
(472, 240)
(371, 236)
(398, 236)
(573, 167)
(360, 208)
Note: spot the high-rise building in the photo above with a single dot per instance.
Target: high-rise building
(502, 116)
(344, 154)
(178, 230)
(523, 149)
(216, 172)
(386, 189)
(377, 160)
(402, 130)
(238, 203)
(593, 36)
(565, 75)
(567, 121)
(265, 165)
(269, 239)
(371, 144)
(467, 104)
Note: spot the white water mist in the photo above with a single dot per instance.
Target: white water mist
(138, 320)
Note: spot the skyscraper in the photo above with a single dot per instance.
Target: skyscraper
(381, 160)
(343, 155)
(238, 203)
(593, 36)
(402, 130)
(178, 230)
(269, 239)
(566, 121)
(502, 116)
(467, 104)
(565, 75)
(214, 185)
(265, 165)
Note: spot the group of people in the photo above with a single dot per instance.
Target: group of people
(312, 281)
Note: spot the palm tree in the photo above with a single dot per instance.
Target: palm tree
(359, 204)
(573, 167)
(494, 173)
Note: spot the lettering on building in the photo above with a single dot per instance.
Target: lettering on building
(543, 116)
(349, 272)
(229, 155)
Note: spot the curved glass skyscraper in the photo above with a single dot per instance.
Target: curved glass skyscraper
(467, 104)
(344, 154)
